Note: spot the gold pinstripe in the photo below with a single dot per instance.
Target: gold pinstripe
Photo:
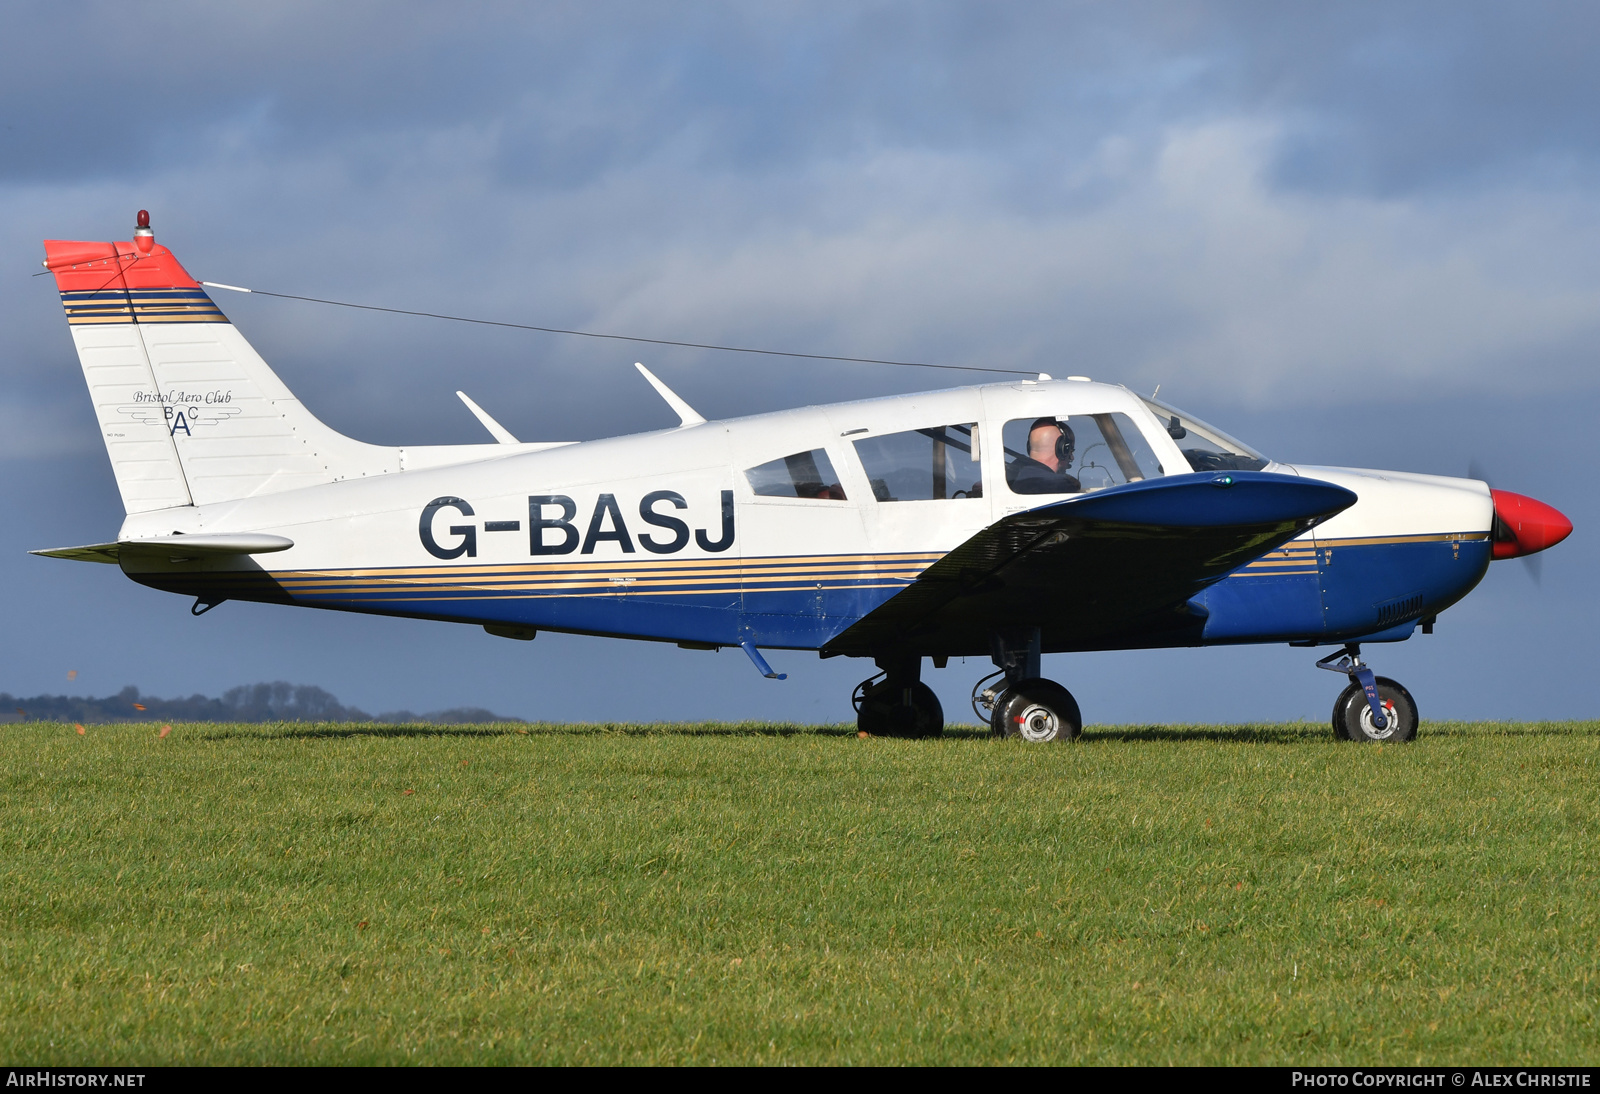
(98, 307)
(1374, 541)
(465, 592)
(642, 578)
(667, 577)
(1294, 560)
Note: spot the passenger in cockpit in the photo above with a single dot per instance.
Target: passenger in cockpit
(1044, 469)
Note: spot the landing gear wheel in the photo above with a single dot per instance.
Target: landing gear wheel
(884, 712)
(1339, 706)
(1037, 711)
(1352, 715)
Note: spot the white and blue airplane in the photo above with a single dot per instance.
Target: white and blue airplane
(1004, 520)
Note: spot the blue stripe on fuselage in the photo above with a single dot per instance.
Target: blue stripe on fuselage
(792, 618)
(1359, 587)
(800, 602)
(1335, 591)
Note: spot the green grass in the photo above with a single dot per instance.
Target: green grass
(772, 894)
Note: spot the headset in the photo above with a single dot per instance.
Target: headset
(1066, 444)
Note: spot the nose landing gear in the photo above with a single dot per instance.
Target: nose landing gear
(1024, 705)
(1372, 708)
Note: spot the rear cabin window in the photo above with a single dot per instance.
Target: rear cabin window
(802, 475)
(935, 464)
(1075, 454)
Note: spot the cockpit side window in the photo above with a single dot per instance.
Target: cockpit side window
(935, 464)
(1075, 454)
(802, 475)
(1206, 447)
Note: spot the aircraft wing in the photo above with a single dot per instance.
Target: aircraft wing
(1111, 569)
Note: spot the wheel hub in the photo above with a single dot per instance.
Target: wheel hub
(1038, 723)
(1389, 716)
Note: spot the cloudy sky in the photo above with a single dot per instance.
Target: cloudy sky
(1362, 234)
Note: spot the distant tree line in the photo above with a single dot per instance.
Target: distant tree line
(275, 702)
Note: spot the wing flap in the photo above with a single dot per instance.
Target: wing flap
(1104, 570)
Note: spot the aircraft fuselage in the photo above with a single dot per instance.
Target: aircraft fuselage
(661, 536)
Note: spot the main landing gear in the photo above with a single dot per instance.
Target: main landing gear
(1022, 704)
(1372, 708)
(896, 703)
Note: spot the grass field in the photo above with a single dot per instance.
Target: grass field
(780, 894)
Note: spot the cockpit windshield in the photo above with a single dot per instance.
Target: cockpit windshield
(1205, 447)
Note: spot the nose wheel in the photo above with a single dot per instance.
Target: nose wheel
(1372, 708)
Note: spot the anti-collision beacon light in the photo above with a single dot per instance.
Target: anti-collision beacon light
(144, 237)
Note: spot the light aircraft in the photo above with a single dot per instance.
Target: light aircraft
(1005, 520)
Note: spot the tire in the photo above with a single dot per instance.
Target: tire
(1339, 706)
(997, 713)
(883, 714)
(1354, 717)
(1037, 711)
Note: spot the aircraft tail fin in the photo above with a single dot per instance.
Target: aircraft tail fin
(189, 412)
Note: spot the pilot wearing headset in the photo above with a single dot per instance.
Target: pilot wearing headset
(1044, 469)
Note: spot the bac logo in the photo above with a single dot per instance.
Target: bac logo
(178, 416)
(552, 529)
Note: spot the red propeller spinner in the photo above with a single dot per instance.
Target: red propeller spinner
(1523, 526)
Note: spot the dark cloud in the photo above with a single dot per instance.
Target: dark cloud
(1398, 97)
(1385, 97)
